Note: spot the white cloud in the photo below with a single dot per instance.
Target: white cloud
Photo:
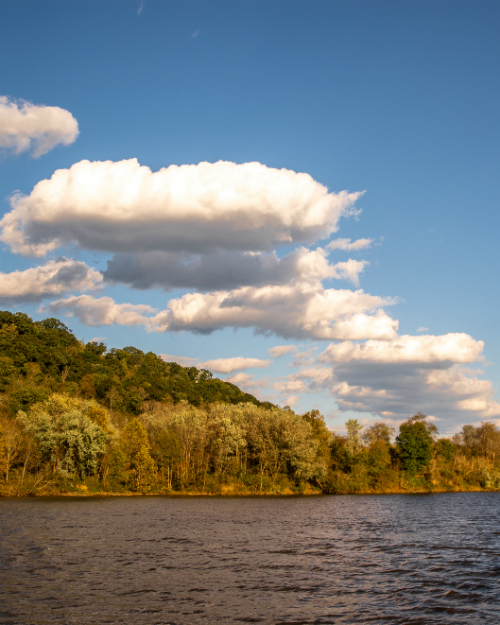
(422, 329)
(303, 358)
(247, 382)
(349, 270)
(103, 311)
(51, 279)
(301, 309)
(228, 365)
(290, 384)
(25, 126)
(455, 394)
(292, 400)
(309, 379)
(415, 350)
(281, 350)
(123, 207)
(347, 246)
(426, 375)
(184, 361)
(471, 393)
(410, 374)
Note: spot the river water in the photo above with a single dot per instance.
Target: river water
(295, 560)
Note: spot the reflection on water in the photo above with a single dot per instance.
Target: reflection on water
(342, 559)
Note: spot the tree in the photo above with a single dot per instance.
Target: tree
(446, 449)
(415, 442)
(66, 437)
(141, 466)
(353, 428)
(378, 432)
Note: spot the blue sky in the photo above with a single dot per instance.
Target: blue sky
(397, 99)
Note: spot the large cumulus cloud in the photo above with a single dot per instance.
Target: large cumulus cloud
(125, 207)
(25, 126)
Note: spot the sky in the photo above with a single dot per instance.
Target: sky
(298, 195)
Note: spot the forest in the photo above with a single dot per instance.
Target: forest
(77, 418)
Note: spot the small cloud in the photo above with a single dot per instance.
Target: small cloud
(98, 339)
(195, 34)
(303, 358)
(247, 381)
(139, 10)
(422, 329)
(348, 246)
(281, 350)
(184, 361)
(291, 401)
(26, 127)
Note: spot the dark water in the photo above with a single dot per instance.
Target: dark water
(367, 559)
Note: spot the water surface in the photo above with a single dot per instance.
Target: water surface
(340, 559)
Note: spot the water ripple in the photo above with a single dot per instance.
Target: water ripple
(292, 561)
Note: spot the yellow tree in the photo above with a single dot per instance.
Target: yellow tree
(100, 416)
(142, 469)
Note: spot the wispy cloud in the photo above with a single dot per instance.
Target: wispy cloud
(228, 365)
(185, 361)
(348, 246)
(281, 350)
(139, 10)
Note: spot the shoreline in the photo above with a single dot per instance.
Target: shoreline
(248, 494)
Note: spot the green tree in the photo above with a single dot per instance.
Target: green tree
(445, 449)
(415, 441)
(66, 438)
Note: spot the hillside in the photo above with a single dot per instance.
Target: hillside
(38, 358)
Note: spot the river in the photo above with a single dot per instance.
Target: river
(292, 560)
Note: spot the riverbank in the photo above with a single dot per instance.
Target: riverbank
(308, 492)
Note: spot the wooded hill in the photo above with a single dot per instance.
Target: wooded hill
(77, 418)
(42, 357)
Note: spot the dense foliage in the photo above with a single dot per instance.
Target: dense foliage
(79, 418)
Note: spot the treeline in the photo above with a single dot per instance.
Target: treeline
(75, 418)
(42, 357)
